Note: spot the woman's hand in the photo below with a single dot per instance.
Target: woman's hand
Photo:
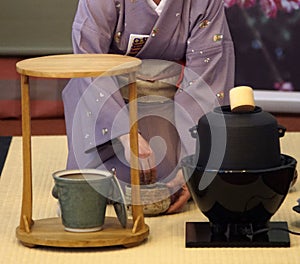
(181, 193)
(146, 158)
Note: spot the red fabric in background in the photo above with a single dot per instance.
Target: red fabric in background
(39, 109)
(8, 68)
(44, 107)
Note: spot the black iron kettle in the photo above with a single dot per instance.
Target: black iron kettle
(238, 140)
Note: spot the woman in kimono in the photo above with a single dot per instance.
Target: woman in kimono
(187, 69)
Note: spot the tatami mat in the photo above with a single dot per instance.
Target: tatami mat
(166, 243)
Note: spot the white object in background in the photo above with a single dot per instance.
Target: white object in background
(278, 101)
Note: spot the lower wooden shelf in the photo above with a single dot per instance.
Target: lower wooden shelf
(50, 232)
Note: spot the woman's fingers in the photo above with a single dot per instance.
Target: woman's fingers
(147, 164)
(180, 202)
(180, 192)
(147, 170)
(177, 182)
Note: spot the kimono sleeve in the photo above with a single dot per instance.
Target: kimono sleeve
(210, 52)
(209, 71)
(89, 121)
(93, 26)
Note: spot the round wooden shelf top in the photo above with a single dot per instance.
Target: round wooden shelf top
(78, 65)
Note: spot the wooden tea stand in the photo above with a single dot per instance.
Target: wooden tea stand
(50, 232)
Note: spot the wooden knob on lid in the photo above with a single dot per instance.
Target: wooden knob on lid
(241, 99)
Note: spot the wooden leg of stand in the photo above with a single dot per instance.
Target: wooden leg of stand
(26, 223)
(138, 224)
(26, 213)
(137, 208)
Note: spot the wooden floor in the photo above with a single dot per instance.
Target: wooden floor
(57, 126)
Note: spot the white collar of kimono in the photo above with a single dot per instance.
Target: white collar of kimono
(157, 8)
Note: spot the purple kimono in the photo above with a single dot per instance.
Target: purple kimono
(194, 32)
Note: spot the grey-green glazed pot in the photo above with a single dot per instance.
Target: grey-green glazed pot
(82, 195)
